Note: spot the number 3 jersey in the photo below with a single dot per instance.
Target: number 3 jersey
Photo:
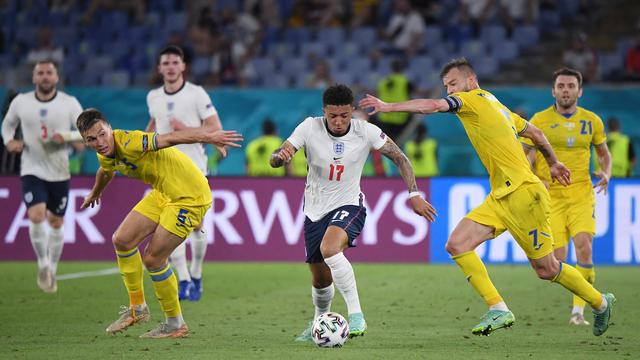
(334, 163)
(167, 170)
(39, 120)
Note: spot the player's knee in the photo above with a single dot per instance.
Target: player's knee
(56, 222)
(328, 250)
(547, 271)
(120, 242)
(152, 262)
(454, 247)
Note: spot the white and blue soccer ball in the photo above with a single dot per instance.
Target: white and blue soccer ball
(330, 330)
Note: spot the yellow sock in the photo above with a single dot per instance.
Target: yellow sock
(589, 273)
(477, 276)
(571, 279)
(130, 265)
(165, 285)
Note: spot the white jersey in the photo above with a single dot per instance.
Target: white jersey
(39, 121)
(335, 163)
(190, 105)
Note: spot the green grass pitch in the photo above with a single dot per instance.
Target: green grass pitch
(255, 310)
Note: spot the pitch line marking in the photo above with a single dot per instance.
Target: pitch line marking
(86, 274)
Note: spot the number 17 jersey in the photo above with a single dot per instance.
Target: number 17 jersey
(334, 163)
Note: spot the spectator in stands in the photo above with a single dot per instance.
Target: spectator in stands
(267, 12)
(259, 151)
(45, 50)
(623, 157)
(406, 29)
(365, 13)
(476, 13)
(518, 12)
(632, 61)
(133, 7)
(422, 152)
(321, 77)
(394, 88)
(582, 58)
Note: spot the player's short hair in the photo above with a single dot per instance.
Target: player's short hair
(337, 95)
(46, 61)
(460, 63)
(171, 49)
(88, 118)
(568, 72)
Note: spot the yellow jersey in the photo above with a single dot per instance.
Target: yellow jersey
(571, 138)
(493, 131)
(167, 170)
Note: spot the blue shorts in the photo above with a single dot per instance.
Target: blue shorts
(349, 217)
(54, 193)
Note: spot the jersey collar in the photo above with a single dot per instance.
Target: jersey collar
(331, 133)
(35, 93)
(184, 82)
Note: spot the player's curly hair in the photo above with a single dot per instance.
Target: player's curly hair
(337, 95)
(458, 63)
(88, 118)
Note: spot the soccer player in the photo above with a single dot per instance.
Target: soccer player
(176, 205)
(518, 201)
(47, 119)
(178, 105)
(571, 130)
(337, 146)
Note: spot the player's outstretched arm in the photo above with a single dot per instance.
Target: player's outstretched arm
(282, 155)
(102, 180)
(419, 205)
(199, 135)
(559, 172)
(423, 106)
(604, 159)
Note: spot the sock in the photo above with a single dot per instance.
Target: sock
(166, 288)
(322, 299)
(179, 261)
(38, 235)
(199, 244)
(345, 281)
(502, 306)
(589, 273)
(56, 242)
(477, 275)
(130, 265)
(603, 306)
(175, 322)
(571, 279)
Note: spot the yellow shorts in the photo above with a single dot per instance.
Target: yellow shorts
(179, 218)
(572, 212)
(525, 213)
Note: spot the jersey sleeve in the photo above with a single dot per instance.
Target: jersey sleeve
(299, 136)
(520, 123)
(204, 104)
(10, 122)
(599, 135)
(135, 143)
(461, 102)
(375, 135)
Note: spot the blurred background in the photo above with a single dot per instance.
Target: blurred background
(266, 62)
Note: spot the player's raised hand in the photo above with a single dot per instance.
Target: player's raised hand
(423, 208)
(224, 138)
(603, 183)
(374, 103)
(560, 173)
(91, 200)
(15, 146)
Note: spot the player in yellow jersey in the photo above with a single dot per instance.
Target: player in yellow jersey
(176, 205)
(571, 130)
(518, 201)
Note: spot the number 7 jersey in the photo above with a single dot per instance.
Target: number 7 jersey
(334, 163)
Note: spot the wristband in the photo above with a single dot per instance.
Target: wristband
(414, 194)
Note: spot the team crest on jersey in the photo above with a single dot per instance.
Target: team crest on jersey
(170, 105)
(570, 141)
(338, 147)
(43, 112)
(570, 126)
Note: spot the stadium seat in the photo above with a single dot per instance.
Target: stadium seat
(473, 50)
(99, 64)
(486, 66)
(297, 35)
(116, 79)
(200, 65)
(365, 36)
(330, 36)
(493, 35)
(506, 51)
(263, 65)
(175, 21)
(420, 65)
(610, 62)
(358, 65)
(313, 49)
(342, 77)
(526, 35)
(278, 81)
(293, 66)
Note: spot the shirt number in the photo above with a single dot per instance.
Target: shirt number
(337, 169)
(584, 130)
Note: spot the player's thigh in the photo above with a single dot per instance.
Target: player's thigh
(162, 244)
(182, 218)
(479, 225)
(526, 213)
(133, 230)
(320, 275)
(559, 220)
(581, 214)
(34, 195)
(344, 226)
(151, 205)
(57, 197)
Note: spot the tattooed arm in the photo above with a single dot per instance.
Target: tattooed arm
(419, 205)
(282, 155)
(558, 170)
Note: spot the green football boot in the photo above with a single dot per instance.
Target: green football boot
(357, 325)
(601, 320)
(492, 321)
(306, 334)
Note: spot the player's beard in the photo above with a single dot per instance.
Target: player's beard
(566, 104)
(46, 88)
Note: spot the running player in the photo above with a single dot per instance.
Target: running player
(47, 118)
(518, 201)
(337, 146)
(176, 205)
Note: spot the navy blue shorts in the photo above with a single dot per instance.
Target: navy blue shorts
(349, 217)
(54, 193)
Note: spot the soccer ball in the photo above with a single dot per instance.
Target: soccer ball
(330, 330)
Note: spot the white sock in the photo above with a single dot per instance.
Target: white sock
(345, 281)
(322, 299)
(38, 235)
(199, 244)
(502, 306)
(179, 261)
(577, 310)
(56, 242)
(603, 307)
(175, 322)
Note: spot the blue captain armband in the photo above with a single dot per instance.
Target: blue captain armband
(455, 104)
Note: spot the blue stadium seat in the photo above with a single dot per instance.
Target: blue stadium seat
(330, 36)
(421, 64)
(297, 35)
(281, 50)
(342, 77)
(493, 35)
(89, 78)
(116, 79)
(506, 51)
(293, 66)
(610, 63)
(176, 21)
(263, 65)
(99, 64)
(358, 65)
(365, 36)
(526, 35)
(200, 65)
(335, 64)
(278, 81)
(383, 66)
(473, 49)
(486, 66)
(309, 49)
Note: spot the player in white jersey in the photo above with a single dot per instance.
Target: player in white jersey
(47, 118)
(177, 105)
(337, 147)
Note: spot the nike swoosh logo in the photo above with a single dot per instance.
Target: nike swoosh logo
(495, 318)
(127, 143)
(337, 158)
